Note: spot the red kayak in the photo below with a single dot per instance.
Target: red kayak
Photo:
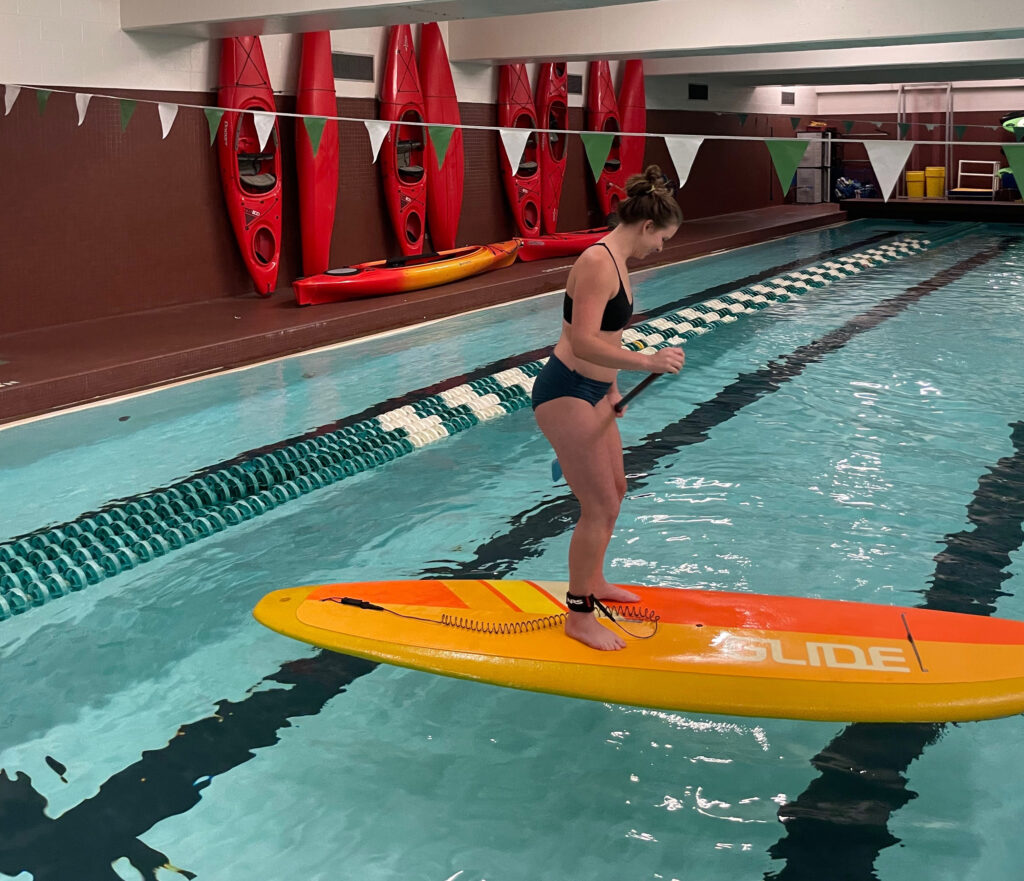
(405, 182)
(560, 244)
(553, 113)
(633, 115)
(603, 116)
(318, 174)
(515, 110)
(250, 176)
(441, 106)
(380, 277)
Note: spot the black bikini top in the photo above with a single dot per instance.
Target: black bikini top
(617, 311)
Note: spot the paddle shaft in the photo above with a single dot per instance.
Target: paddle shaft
(633, 392)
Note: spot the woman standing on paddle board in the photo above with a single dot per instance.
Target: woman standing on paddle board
(574, 396)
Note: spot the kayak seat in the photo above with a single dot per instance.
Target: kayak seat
(250, 174)
(527, 168)
(408, 146)
(410, 169)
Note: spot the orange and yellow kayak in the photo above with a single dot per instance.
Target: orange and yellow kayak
(380, 277)
(708, 651)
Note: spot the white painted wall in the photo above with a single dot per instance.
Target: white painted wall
(1002, 96)
(671, 93)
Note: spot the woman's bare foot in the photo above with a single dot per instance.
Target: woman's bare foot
(588, 630)
(612, 593)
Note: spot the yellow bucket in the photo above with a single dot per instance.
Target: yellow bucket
(915, 184)
(935, 177)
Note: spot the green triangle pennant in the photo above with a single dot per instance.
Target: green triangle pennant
(440, 137)
(959, 132)
(127, 109)
(795, 122)
(743, 118)
(315, 130)
(1015, 156)
(904, 128)
(598, 145)
(42, 96)
(213, 118)
(1019, 133)
(786, 156)
(848, 125)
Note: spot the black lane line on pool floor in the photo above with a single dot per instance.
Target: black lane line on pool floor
(85, 840)
(837, 827)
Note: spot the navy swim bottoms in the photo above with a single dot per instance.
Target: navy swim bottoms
(555, 380)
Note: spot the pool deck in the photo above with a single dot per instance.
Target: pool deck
(51, 368)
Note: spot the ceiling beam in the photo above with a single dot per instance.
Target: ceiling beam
(211, 19)
(680, 28)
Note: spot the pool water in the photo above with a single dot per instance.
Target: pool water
(857, 442)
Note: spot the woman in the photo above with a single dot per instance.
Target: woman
(574, 396)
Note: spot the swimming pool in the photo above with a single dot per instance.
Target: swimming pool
(853, 442)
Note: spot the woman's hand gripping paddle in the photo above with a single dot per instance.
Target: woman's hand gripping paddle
(556, 469)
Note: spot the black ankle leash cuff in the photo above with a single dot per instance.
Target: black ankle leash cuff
(576, 603)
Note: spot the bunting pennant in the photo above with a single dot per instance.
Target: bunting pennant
(1015, 156)
(683, 150)
(960, 129)
(904, 128)
(168, 113)
(82, 103)
(42, 96)
(378, 131)
(598, 145)
(513, 140)
(795, 122)
(264, 123)
(440, 136)
(848, 125)
(786, 155)
(887, 158)
(127, 109)
(315, 130)
(930, 126)
(743, 122)
(10, 96)
(878, 125)
(213, 118)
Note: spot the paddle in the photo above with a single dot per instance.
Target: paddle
(556, 469)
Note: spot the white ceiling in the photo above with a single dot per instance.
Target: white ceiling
(741, 42)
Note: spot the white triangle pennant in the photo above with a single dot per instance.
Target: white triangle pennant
(887, 159)
(514, 141)
(264, 123)
(10, 96)
(683, 150)
(377, 131)
(167, 112)
(82, 103)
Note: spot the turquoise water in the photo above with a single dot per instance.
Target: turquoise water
(178, 729)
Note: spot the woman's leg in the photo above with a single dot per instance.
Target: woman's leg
(582, 436)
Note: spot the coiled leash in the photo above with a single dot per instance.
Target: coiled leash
(575, 603)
